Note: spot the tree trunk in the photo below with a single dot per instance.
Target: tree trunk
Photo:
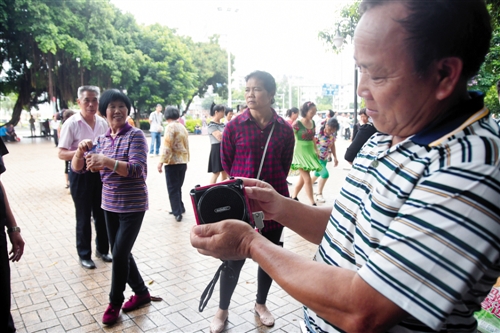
(187, 106)
(23, 98)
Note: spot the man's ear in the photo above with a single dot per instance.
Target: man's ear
(449, 71)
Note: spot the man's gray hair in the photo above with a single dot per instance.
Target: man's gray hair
(93, 89)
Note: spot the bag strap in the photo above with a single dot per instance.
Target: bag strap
(265, 150)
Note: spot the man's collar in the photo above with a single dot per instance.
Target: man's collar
(123, 130)
(458, 117)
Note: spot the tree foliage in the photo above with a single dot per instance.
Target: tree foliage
(488, 75)
(50, 48)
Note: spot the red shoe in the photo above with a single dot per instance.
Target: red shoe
(136, 301)
(111, 314)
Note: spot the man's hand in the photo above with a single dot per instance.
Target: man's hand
(263, 197)
(17, 250)
(160, 165)
(226, 240)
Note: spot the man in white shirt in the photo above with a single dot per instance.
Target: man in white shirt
(156, 127)
(86, 188)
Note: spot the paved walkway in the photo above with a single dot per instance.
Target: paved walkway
(53, 293)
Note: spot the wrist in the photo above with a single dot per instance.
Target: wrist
(13, 229)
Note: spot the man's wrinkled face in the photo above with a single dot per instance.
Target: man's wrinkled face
(88, 103)
(398, 100)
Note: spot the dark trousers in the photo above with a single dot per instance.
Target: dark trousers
(174, 175)
(56, 137)
(123, 229)
(6, 322)
(229, 277)
(86, 191)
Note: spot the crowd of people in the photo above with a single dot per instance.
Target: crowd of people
(410, 243)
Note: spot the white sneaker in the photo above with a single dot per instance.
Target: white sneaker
(319, 198)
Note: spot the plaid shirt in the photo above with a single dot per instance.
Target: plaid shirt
(242, 146)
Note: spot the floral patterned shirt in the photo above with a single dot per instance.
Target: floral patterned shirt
(175, 148)
(323, 142)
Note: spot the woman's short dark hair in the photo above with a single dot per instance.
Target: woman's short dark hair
(66, 113)
(445, 28)
(171, 112)
(216, 108)
(291, 111)
(267, 80)
(331, 113)
(241, 107)
(332, 122)
(362, 111)
(305, 108)
(228, 111)
(113, 95)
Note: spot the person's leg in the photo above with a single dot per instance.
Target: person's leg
(324, 177)
(66, 172)
(56, 138)
(6, 322)
(321, 184)
(299, 185)
(79, 187)
(223, 175)
(173, 188)
(182, 175)
(158, 143)
(133, 223)
(101, 238)
(124, 229)
(228, 281)
(152, 145)
(213, 178)
(264, 281)
(306, 177)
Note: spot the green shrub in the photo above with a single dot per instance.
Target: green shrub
(144, 125)
(191, 124)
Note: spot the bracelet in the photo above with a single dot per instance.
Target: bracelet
(13, 229)
(116, 166)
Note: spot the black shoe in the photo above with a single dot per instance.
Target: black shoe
(288, 183)
(296, 199)
(178, 218)
(104, 257)
(87, 263)
(183, 211)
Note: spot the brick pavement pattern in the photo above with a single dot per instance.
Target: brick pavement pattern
(51, 292)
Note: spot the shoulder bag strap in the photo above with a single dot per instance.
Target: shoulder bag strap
(265, 150)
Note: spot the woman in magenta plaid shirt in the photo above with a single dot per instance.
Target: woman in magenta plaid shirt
(242, 147)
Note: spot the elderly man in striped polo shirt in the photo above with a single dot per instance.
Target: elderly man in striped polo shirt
(412, 243)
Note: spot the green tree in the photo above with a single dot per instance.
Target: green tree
(489, 73)
(53, 47)
(167, 75)
(210, 63)
(324, 102)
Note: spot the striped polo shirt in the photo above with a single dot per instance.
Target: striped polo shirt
(125, 194)
(420, 221)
